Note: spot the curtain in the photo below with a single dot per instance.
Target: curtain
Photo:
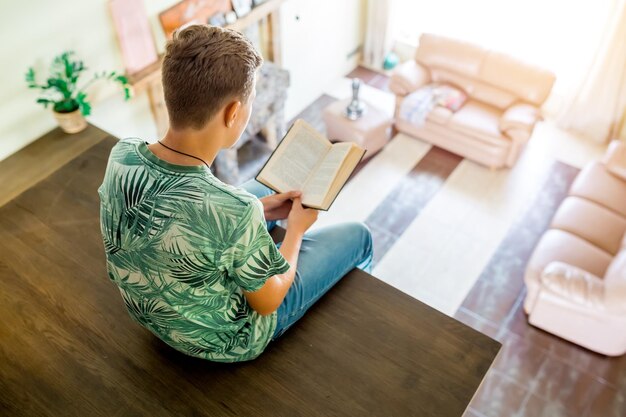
(621, 131)
(597, 108)
(378, 38)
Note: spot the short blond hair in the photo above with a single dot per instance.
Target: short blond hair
(203, 68)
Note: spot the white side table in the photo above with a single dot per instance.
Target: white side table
(371, 131)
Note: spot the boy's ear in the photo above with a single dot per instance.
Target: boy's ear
(231, 112)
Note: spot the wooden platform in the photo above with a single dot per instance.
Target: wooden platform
(68, 347)
(41, 158)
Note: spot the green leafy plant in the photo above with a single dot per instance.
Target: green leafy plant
(61, 89)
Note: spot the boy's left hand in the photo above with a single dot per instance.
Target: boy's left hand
(277, 206)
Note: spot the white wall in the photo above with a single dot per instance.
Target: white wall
(34, 31)
(317, 37)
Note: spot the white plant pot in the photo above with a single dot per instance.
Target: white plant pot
(72, 122)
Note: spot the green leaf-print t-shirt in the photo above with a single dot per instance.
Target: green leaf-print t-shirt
(182, 246)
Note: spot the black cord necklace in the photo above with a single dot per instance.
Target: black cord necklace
(183, 153)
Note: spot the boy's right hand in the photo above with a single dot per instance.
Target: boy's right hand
(300, 218)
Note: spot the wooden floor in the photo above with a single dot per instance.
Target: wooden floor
(41, 158)
(70, 348)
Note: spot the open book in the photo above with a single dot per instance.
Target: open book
(306, 161)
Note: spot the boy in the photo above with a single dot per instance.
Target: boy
(192, 256)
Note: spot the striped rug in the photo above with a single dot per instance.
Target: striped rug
(436, 217)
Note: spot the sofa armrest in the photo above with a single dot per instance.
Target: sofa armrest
(615, 159)
(408, 77)
(517, 123)
(519, 118)
(579, 287)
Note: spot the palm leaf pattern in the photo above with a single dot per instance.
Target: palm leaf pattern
(181, 247)
(253, 255)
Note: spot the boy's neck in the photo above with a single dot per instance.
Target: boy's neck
(203, 144)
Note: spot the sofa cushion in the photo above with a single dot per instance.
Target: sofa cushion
(529, 83)
(439, 115)
(561, 246)
(443, 76)
(592, 222)
(478, 90)
(596, 184)
(438, 52)
(495, 96)
(474, 88)
(479, 120)
(456, 142)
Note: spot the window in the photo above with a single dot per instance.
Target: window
(559, 35)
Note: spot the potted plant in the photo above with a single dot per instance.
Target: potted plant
(69, 102)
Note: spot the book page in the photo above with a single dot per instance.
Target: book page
(318, 185)
(295, 159)
(347, 168)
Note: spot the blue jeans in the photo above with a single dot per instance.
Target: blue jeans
(326, 255)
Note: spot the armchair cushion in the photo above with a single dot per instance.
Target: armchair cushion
(519, 117)
(562, 246)
(408, 77)
(597, 184)
(591, 221)
(615, 159)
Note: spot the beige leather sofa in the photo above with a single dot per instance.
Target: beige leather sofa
(504, 99)
(576, 276)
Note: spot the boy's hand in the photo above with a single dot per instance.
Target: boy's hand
(300, 218)
(278, 206)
